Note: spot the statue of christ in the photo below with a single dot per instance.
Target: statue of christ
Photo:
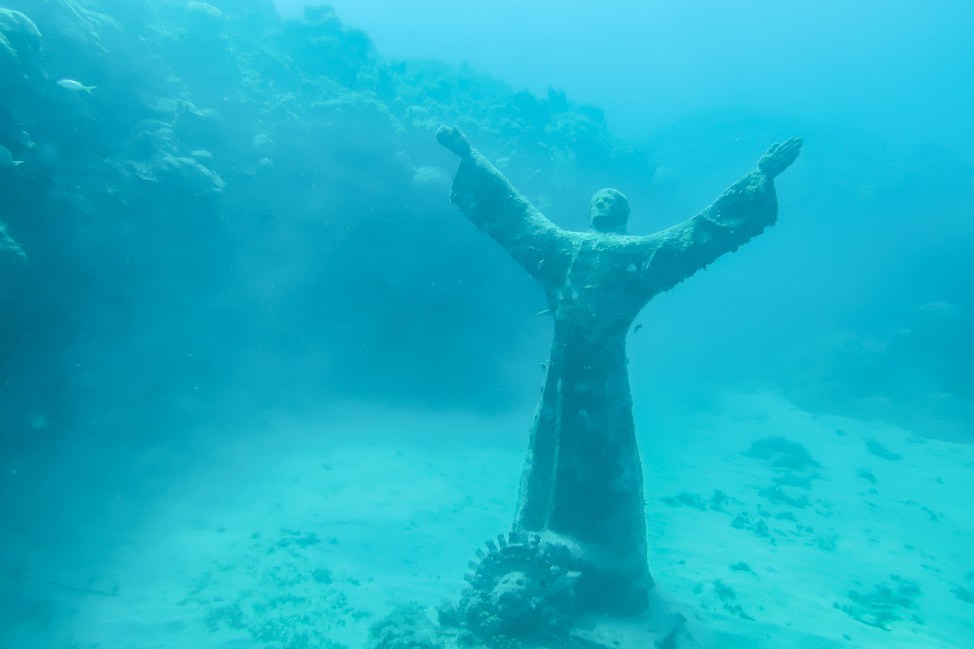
(582, 483)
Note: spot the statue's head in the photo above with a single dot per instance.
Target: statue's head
(608, 211)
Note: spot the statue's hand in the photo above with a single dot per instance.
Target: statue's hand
(454, 140)
(779, 157)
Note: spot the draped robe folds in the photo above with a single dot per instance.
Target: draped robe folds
(582, 480)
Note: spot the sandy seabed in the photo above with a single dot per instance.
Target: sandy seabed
(774, 528)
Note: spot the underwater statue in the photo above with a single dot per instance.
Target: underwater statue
(581, 497)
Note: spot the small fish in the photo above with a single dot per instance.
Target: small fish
(7, 158)
(75, 86)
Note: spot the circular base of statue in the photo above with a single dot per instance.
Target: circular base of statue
(522, 592)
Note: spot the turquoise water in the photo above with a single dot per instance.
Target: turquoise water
(227, 225)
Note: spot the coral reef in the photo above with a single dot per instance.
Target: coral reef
(205, 175)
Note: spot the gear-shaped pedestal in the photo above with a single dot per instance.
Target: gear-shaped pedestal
(521, 594)
(519, 589)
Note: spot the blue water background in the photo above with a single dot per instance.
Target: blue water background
(860, 300)
(148, 326)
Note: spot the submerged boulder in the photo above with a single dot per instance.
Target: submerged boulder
(20, 45)
(407, 627)
(179, 177)
(21, 33)
(10, 250)
(188, 176)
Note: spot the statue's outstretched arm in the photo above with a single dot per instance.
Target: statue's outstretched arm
(495, 206)
(741, 213)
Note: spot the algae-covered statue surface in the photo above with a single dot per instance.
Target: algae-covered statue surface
(582, 486)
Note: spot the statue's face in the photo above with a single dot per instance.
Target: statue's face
(609, 211)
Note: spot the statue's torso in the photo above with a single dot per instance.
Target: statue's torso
(597, 290)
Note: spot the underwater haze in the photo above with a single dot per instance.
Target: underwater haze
(262, 384)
